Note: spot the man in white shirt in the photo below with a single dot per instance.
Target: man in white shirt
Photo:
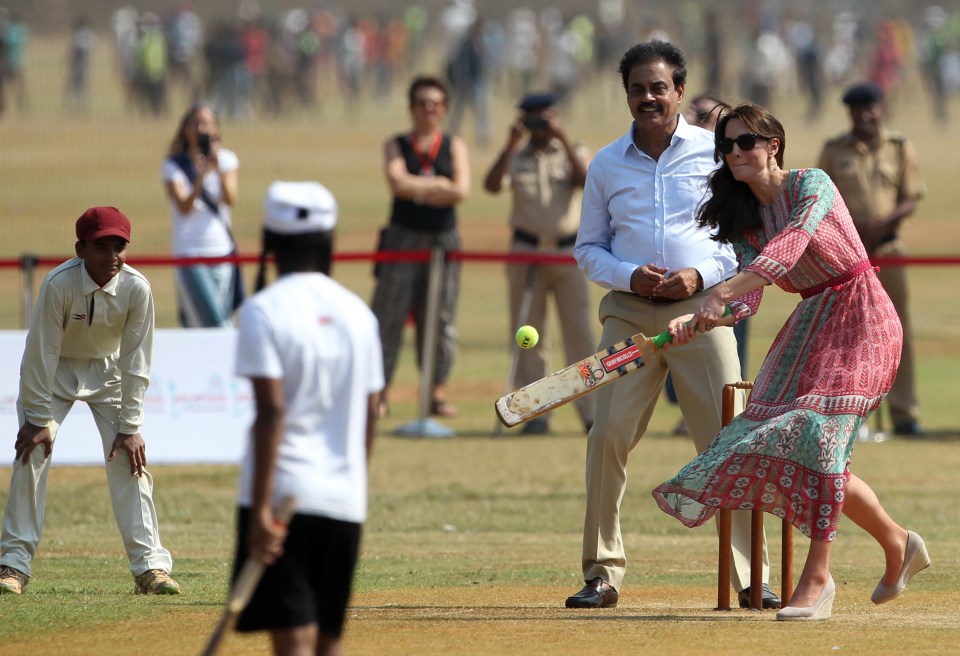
(311, 349)
(639, 239)
(90, 340)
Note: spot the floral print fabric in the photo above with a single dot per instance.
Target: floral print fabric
(831, 364)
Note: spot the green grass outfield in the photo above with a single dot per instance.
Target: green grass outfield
(471, 547)
(473, 542)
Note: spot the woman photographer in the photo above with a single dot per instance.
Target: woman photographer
(200, 177)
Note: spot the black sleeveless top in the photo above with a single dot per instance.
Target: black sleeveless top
(426, 218)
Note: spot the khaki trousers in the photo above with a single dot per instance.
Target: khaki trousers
(700, 370)
(131, 496)
(571, 296)
(902, 398)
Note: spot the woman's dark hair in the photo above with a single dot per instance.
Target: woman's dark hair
(179, 144)
(651, 51)
(306, 252)
(423, 82)
(732, 209)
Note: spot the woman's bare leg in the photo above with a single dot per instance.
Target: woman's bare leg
(816, 572)
(863, 508)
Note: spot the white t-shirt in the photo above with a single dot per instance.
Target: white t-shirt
(200, 232)
(323, 342)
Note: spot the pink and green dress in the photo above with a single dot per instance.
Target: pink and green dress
(831, 364)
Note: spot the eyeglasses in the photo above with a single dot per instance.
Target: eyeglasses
(746, 141)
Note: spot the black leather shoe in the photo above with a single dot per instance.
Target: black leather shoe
(770, 600)
(910, 428)
(595, 594)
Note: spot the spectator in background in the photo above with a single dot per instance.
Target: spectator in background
(806, 50)
(545, 175)
(713, 51)
(467, 74)
(200, 179)
(877, 174)
(886, 60)
(428, 172)
(935, 42)
(152, 65)
(124, 25)
(185, 39)
(14, 35)
(78, 66)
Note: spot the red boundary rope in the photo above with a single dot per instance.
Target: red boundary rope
(424, 256)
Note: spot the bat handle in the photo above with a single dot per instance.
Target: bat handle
(252, 569)
(665, 337)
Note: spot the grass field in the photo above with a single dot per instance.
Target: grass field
(472, 542)
(471, 546)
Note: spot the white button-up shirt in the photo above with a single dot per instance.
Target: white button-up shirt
(76, 319)
(637, 210)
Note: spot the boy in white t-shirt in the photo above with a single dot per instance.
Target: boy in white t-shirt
(312, 351)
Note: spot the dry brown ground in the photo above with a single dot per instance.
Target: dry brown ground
(529, 621)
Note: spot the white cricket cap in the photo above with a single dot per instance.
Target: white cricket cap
(296, 208)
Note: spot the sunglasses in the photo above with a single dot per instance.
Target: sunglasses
(746, 141)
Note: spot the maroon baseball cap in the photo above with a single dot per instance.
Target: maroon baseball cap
(99, 222)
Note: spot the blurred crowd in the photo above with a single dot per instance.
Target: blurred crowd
(269, 62)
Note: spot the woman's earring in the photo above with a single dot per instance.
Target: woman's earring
(773, 165)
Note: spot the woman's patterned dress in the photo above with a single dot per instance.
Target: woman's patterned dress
(831, 364)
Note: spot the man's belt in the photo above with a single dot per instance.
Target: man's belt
(661, 299)
(529, 238)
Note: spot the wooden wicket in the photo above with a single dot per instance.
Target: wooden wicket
(756, 536)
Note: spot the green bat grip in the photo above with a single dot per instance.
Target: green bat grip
(665, 337)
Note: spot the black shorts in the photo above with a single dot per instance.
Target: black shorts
(310, 583)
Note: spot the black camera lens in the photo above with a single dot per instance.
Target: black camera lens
(203, 143)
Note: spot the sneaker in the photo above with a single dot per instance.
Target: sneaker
(12, 580)
(156, 581)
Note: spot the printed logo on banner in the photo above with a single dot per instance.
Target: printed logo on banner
(210, 399)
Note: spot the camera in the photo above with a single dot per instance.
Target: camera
(535, 122)
(203, 143)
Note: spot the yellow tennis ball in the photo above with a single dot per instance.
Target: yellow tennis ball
(527, 337)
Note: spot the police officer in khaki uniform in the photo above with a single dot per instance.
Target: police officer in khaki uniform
(545, 174)
(876, 172)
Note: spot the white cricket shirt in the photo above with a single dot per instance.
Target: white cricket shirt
(76, 319)
(323, 342)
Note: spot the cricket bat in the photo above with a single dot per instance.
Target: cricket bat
(245, 585)
(580, 378)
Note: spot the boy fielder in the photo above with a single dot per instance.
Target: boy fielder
(90, 340)
(311, 349)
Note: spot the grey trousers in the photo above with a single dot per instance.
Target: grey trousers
(402, 290)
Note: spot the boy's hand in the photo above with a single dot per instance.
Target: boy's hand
(29, 437)
(135, 449)
(267, 533)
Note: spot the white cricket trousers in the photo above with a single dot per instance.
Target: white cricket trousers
(131, 496)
